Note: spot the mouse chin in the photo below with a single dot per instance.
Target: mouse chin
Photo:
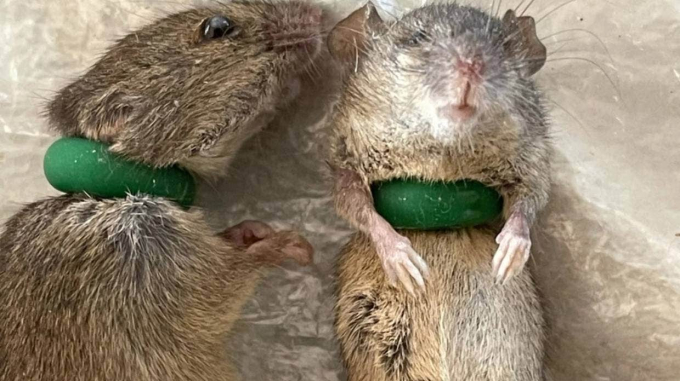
(449, 124)
(461, 113)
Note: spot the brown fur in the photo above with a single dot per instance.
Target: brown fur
(463, 326)
(138, 289)
(161, 95)
(133, 289)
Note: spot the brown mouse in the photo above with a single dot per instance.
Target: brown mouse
(444, 93)
(139, 288)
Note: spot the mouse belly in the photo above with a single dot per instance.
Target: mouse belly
(461, 327)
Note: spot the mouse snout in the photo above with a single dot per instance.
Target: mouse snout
(467, 78)
(470, 67)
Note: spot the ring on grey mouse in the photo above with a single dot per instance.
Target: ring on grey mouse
(444, 94)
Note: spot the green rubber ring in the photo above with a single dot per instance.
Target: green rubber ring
(74, 165)
(419, 205)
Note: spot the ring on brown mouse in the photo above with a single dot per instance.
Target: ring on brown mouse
(136, 287)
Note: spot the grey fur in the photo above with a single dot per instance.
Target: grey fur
(462, 326)
(139, 289)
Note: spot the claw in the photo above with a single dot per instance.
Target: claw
(405, 279)
(399, 260)
(415, 274)
(421, 266)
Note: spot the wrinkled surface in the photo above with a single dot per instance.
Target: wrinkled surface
(607, 257)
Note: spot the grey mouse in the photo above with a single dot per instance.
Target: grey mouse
(444, 93)
(140, 288)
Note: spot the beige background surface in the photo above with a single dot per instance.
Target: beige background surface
(608, 254)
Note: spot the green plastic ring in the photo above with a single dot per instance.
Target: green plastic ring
(418, 205)
(74, 165)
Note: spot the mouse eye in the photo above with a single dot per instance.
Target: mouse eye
(218, 27)
(418, 37)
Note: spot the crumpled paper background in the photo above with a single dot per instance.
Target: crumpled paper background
(607, 257)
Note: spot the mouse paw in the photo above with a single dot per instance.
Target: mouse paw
(280, 246)
(267, 245)
(247, 233)
(514, 246)
(400, 261)
(296, 247)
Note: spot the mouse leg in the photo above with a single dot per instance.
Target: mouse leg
(354, 202)
(269, 246)
(527, 195)
(514, 247)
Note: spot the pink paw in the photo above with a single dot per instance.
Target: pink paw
(400, 261)
(247, 233)
(514, 246)
(269, 246)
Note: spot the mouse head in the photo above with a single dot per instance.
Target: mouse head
(446, 64)
(170, 91)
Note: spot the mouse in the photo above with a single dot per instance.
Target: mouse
(138, 287)
(444, 93)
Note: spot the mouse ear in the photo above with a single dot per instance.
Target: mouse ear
(349, 38)
(522, 40)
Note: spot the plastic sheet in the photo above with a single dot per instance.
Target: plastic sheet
(607, 257)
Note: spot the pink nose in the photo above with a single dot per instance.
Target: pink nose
(470, 67)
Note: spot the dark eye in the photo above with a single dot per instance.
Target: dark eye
(418, 37)
(218, 27)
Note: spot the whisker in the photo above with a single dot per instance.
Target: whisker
(618, 92)
(526, 8)
(558, 50)
(312, 66)
(518, 5)
(488, 20)
(583, 127)
(604, 46)
(554, 10)
(549, 43)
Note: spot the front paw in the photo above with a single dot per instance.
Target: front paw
(280, 246)
(269, 246)
(296, 247)
(512, 254)
(247, 233)
(401, 262)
